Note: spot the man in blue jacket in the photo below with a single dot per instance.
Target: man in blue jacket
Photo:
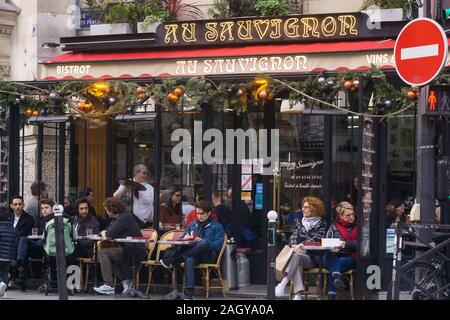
(208, 235)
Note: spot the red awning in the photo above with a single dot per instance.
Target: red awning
(324, 47)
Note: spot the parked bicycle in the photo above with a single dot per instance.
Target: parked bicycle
(427, 279)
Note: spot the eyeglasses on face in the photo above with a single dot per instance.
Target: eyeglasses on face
(349, 215)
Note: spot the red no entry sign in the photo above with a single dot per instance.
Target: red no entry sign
(420, 51)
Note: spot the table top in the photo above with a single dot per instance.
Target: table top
(176, 242)
(312, 248)
(93, 238)
(36, 237)
(133, 240)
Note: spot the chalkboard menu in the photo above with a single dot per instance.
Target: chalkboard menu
(368, 156)
(4, 140)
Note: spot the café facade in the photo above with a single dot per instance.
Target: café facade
(325, 152)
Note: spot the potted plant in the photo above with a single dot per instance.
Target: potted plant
(392, 10)
(154, 13)
(157, 11)
(272, 7)
(113, 17)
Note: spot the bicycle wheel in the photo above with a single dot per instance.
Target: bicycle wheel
(420, 281)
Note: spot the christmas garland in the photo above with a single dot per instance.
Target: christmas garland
(98, 101)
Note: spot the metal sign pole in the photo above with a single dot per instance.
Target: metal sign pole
(397, 260)
(271, 247)
(60, 252)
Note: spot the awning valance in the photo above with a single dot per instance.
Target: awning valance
(271, 59)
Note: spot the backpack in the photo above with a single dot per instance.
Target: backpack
(50, 237)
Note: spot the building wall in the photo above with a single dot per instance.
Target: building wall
(40, 21)
(309, 6)
(8, 14)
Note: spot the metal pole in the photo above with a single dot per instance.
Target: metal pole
(271, 247)
(13, 130)
(397, 260)
(60, 252)
(425, 165)
(62, 162)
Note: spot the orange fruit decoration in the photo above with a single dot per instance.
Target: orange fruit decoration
(88, 107)
(411, 95)
(263, 95)
(29, 112)
(348, 85)
(172, 98)
(140, 90)
(270, 96)
(81, 105)
(178, 92)
(35, 113)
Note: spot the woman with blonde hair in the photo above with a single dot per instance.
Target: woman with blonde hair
(342, 258)
(312, 227)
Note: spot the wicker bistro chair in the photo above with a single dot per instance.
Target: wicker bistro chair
(348, 275)
(92, 261)
(152, 236)
(151, 264)
(207, 268)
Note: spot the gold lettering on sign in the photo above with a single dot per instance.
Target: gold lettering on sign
(276, 32)
(180, 67)
(263, 64)
(291, 28)
(329, 26)
(211, 33)
(171, 33)
(301, 62)
(245, 30)
(208, 66)
(188, 32)
(276, 63)
(310, 25)
(192, 67)
(243, 63)
(253, 64)
(230, 65)
(227, 27)
(218, 65)
(348, 22)
(261, 30)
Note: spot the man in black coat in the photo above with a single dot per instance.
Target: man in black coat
(23, 223)
(119, 261)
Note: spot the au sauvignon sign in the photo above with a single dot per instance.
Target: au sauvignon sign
(259, 30)
(197, 66)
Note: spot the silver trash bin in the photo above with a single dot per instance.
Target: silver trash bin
(229, 267)
(243, 267)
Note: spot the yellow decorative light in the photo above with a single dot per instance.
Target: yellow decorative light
(98, 89)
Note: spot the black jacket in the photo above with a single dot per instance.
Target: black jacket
(24, 225)
(314, 234)
(8, 241)
(126, 226)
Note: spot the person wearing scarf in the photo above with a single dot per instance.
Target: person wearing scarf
(312, 228)
(83, 221)
(209, 238)
(343, 258)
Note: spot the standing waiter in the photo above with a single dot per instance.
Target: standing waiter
(143, 196)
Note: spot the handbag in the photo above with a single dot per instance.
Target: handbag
(282, 261)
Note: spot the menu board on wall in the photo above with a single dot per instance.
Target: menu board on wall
(302, 175)
(4, 141)
(368, 156)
